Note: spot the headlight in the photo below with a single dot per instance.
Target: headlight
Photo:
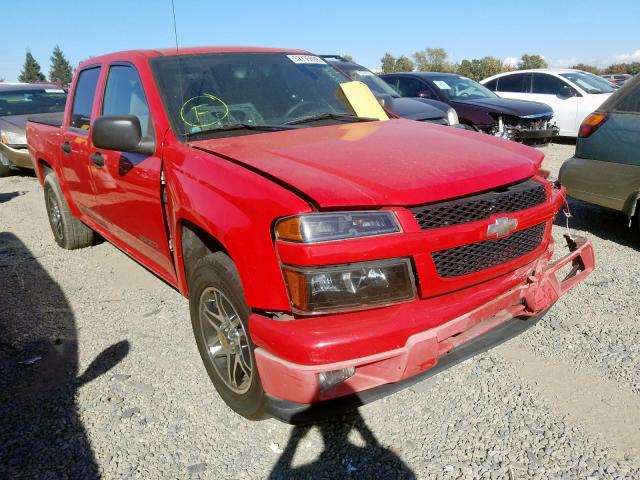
(12, 138)
(350, 287)
(452, 117)
(323, 227)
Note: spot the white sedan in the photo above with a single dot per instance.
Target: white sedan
(573, 94)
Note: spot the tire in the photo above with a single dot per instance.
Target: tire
(222, 334)
(68, 232)
(5, 170)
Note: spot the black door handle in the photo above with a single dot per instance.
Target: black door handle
(97, 159)
(66, 147)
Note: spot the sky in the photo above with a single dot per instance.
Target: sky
(564, 32)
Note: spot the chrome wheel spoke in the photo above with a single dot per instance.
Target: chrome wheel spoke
(231, 369)
(226, 340)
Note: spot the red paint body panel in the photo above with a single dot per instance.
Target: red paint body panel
(420, 350)
(236, 188)
(350, 164)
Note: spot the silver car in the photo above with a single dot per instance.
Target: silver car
(17, 103)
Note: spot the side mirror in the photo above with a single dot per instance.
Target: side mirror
(121, 133)
(567, 92)
(424, 94)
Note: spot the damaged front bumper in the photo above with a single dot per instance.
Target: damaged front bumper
(525, 129)
(295, 392)
(15, 155)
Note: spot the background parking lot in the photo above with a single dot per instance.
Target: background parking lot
(99, 375)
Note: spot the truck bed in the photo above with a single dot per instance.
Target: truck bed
(51, 119)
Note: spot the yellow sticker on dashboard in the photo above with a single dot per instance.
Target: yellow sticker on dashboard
(362, 100)
(203, 111)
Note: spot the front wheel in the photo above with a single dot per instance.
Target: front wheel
(219, 316)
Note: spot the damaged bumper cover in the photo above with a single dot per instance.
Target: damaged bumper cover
(295, 393)
(15, 155)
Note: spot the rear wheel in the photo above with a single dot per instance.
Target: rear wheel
(69, 232)
(219, 316)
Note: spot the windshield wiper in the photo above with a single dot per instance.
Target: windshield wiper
(346, 117)
(241, 126)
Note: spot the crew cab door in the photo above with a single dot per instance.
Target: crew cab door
(76, 142)
(128, 185)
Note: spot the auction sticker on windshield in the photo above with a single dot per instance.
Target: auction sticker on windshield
(305, 59)
(442, 84)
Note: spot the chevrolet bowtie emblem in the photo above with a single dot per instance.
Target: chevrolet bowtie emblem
(501, 227)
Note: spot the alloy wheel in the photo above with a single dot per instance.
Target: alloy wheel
(226, 340)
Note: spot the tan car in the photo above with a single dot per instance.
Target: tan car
(17, 103)
(606, 167)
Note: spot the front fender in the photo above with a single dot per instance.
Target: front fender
(238, 208)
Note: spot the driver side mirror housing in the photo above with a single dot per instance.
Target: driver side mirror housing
(567, 92)
(121, 133)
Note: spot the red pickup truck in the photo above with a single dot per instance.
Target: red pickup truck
(328, 258)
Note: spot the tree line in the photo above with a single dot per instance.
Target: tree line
(60, 70)
(437, 60)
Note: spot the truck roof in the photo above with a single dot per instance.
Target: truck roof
(161, 52)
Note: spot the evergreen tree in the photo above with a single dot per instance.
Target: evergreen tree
(60, 70)
(31, 70)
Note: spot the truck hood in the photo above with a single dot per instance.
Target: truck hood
(395, 162)
(507, 106)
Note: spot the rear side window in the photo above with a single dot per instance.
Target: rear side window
(83, 97)
(492, 84)
(547, 84)
(516, 83)
(124, 95)
(629, 102)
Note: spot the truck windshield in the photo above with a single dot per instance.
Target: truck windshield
(374, 82)
(29, 102)
(222, 91)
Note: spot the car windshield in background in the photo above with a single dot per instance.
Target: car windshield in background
(461, 88)
(226, 91)
(588, 82)
(29, 102)
(375, 83)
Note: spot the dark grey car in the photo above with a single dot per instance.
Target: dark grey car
(17, 103)
(420, 109)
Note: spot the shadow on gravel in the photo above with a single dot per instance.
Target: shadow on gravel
(341, 458)
(5, 197)
(564, 140)
(602, 222)
(41, 435)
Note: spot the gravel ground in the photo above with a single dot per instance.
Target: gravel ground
(117, 389)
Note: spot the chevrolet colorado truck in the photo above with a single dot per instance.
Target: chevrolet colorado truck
(329, 258)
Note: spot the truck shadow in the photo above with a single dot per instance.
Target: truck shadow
(341, 457)
(42, 435)
(5, 197)
(602, 222)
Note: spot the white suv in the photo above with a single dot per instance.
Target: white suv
(573, 94)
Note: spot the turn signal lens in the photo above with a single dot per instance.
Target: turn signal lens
(349, 287)
(324, 227)
(591, 124)
(289, 229)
